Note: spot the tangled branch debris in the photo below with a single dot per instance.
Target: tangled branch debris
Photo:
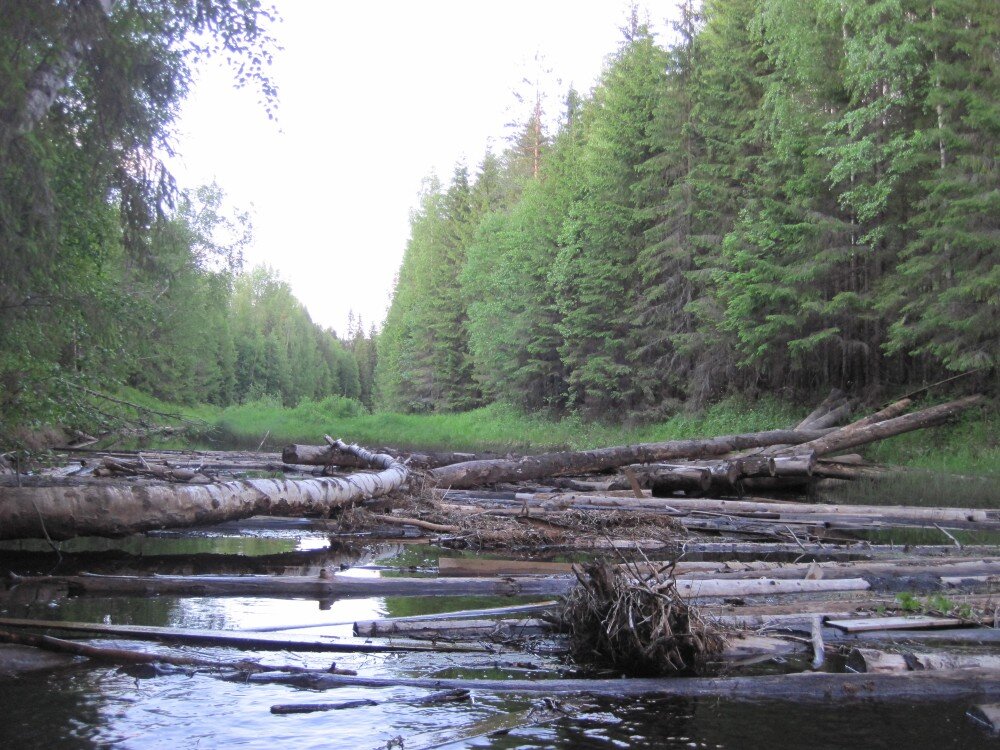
(627, 619)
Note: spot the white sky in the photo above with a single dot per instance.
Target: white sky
(373, 98)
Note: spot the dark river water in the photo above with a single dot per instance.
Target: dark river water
(92, 706)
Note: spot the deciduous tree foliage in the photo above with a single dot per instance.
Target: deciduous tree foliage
(107, 275)
(785, 195)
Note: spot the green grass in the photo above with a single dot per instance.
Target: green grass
(969, 445)
(194, 413)
(491, 428)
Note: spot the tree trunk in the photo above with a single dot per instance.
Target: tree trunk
(325, 455)
(832, 401)
(100, 508)
(823, 687)
(872, 660)
(221, 638)
(863, 431)
(85, 22)
(477, 473)
(344, 587)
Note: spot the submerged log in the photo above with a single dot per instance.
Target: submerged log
(130, 656)
(97, 508)
(476, 473)
(16, 660)
(986, 715)
(448, 696)
(224, 638)
(978, 684)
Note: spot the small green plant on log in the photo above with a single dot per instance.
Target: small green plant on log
(938, 604)
(636, 622)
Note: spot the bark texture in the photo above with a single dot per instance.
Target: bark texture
(99, 508)
(478, 473)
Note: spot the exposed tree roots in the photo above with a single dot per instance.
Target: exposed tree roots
(637, 623)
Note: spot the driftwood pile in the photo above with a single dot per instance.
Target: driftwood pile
(674, 517)
(93, 499)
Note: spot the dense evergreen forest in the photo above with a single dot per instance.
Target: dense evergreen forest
(790, 195)
(109, 275)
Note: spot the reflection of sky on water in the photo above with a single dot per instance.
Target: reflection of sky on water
(307, 543)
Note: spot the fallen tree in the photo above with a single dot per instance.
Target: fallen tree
(796, 454)
(807, 686)
(482, 472)
(63, 510)
(328, 587)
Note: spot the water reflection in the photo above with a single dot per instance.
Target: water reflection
(97, 706)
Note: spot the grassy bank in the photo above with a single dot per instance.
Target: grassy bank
(969, 445)
(491, 428)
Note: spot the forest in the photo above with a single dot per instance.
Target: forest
(113, 276)
(789, 196)
(766, 196)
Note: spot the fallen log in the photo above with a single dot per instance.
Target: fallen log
(326, 455)
(16, 660)
(346, 587)
(96, 508)
(476, 473)
(986, 715)
(864, 432)
(446, 630)
(799, 465)
(129, 656)
(912, 622)
(854, 549)
(448, 696)
(783, 509)
(440, 528)
(460, 614)
(870, 570)
(308, 587)
(965, 636)
(974, 684)
(115, 467)
(224, 638)
(835, 399)
(872, 660)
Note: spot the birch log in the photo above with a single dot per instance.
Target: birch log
(100, 508)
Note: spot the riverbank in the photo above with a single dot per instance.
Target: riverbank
(969, 445)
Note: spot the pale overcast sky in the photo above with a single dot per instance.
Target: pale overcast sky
(373, 98)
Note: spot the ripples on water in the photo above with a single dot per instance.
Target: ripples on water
(97, 707)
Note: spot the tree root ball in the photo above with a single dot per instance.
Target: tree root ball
(636, 622)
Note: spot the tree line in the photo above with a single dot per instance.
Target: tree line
(790, 195)
(110, 275)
